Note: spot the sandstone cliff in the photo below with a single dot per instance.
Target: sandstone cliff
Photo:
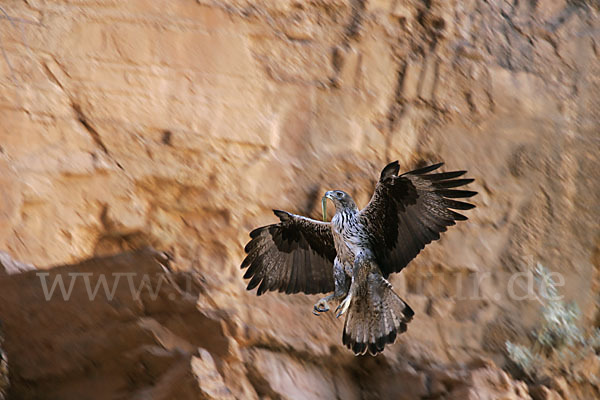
(149, 339)
(180, 124)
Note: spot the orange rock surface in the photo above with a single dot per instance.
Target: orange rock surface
(180, 125)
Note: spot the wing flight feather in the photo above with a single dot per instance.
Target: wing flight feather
(409, 211)
(294, 255)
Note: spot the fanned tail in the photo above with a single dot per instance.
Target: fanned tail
(376, 317)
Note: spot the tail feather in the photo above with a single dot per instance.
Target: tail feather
(375, 318)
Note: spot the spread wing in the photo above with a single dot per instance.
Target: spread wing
(409, 211)
(295, 255)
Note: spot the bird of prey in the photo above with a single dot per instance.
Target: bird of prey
(353, 255)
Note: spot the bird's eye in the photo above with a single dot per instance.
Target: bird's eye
(339, 194)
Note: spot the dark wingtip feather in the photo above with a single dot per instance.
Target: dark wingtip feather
(245, 263)
(456, 194)
(457, 216)
(282, 215)
(444, 175)
(408, 313)
(458, 205)
(254, 233)
(248, 274)
(262, 288)
(248, 246)
(253, 283)
(390, 170)
(452, 183)
(424, 170)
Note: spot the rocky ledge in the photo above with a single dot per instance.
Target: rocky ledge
(126, 326)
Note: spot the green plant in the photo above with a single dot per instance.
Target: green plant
(559, 342)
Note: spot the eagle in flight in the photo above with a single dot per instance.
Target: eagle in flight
(353, 255)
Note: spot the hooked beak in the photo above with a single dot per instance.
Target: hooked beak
(324, 204)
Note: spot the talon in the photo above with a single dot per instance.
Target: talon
(343, 307)
(320, 307)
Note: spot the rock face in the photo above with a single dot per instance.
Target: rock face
(125, 327)
(138, 336)
(180, 125)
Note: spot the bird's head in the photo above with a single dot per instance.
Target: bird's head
(341, 201)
